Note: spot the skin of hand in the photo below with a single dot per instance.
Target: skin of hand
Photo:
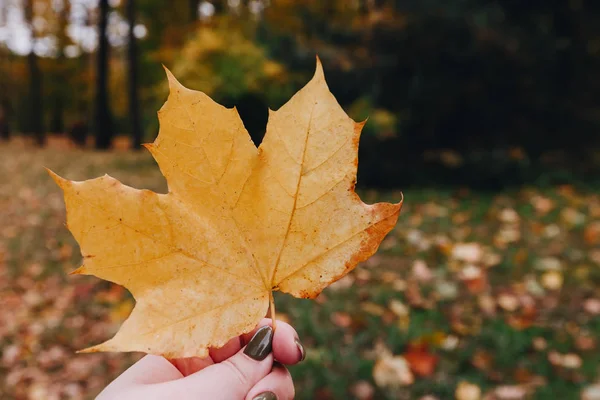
(249, 367)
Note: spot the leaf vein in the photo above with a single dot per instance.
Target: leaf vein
(324, 193)
(156, 240)
(195, 315)
(329, 157)
(334, 247)
(289, 225)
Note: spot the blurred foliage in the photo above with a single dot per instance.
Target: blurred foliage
(480, 78)
(224, 62)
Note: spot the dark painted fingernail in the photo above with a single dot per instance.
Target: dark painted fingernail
(266, 396)
(301, 348)
(261, 344)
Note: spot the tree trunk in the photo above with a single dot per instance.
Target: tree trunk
(57, 123)
(193, 13)
(36, 110)
(4, 82)
(4, 124)
(103, 123)
(134, 109)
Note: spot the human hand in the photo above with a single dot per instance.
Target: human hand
(243, 369)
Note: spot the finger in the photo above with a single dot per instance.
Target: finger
(188, 366)
(283, 349)
(278, 385)
(230, 348)
(149, 370)
(232, 378)
(287, 348)
(235, 344)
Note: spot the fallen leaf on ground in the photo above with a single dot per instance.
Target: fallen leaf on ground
(483, 360)
(592, 306)
(392, 372)
(474, 278)
(467, 252)
(362, 390)
(421, 361)
(467, 391)
(552, 280)
(341, 319)
(508, 302)
(421, 272)
(591, 392)
(571, 361)
(539, 343)
(508, 392)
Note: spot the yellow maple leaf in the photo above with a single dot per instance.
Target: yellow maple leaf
(236, 224)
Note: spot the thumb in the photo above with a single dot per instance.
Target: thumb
(232, 378)
(147, 371)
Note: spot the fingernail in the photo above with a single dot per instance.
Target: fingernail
(301, 348)
(266, 396)
(261, 343)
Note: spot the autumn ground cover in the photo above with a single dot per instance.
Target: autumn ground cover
(473, 294)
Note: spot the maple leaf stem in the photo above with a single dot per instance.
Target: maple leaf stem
(272, 308)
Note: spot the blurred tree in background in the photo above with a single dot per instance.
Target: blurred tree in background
(494, 84)
(102, 114)
(134, 110)
(35, 98)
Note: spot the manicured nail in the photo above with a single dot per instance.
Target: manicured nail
(266, 396)
(261, 343)
(301, 348)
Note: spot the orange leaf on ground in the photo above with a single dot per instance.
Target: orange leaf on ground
(421, 361)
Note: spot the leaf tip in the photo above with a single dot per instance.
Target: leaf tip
(173, 82)
(93, 349)
(60, 181)
(151, 148)
(393, 210)
(358, 126)
(318, 60)
(399, 204)
(79, 271)
(319, 69)
(102, 347)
